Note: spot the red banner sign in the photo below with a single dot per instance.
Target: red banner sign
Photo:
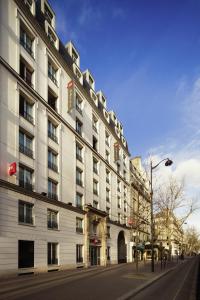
(12, 169)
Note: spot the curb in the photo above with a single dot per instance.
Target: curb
(136, 291)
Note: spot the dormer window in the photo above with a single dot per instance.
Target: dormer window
(74, 56)
(91, 81)
(48, 14)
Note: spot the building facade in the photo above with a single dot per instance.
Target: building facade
(140, 210)
(64, 161)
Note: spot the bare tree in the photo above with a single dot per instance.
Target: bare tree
(171, 208)
(192, 241)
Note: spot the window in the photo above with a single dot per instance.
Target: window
(25, 212)
(51, 37)
(52, 189)
(95, 187)
(94, 123)
(79, 225)
(107, 176)
(25, 178)
(74, 56)
(124, 160)
(118, 186)
(107, 195)
(95, 204)
(79, 200)
(48, 15)
(79, 126)
(108, 232)
(25, 144)
(118, 168)
(52, 99)
(107, 156)
(79, 104)
(108, 252)
(125, 206)
(52, 73)
(125, 175)
(119, 217)
(107, 139)
(79, 253)
(94, 143)
(26, 41)
(119, 204)
(79, 175)
(52, 219)
(25, 254)
(95, 165)
(26, 73)
(25, 109)
(79, 150)
(52, 253)
(108, 211)
(52, 131)
(52, 160)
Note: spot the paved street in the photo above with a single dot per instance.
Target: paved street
(110, 283)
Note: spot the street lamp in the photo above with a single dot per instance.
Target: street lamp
(168, 162)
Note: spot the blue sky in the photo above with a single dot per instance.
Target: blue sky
(145, 57)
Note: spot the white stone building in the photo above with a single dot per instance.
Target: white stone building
(66, 205)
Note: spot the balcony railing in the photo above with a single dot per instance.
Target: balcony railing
(53, 78)
(26, 46)
(26, 185)
(52, 225)
(52, 136)
(25, 150)
(52, 166)
(79, 229)
(53, 196)
(27, 116)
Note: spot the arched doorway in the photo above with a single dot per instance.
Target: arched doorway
(121, 246)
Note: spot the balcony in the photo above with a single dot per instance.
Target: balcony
(52, 196)
(25, 150)
(52, 225)
(26, 185)
(26, 46)
(52, 166)
(79, 229)
(52, 136)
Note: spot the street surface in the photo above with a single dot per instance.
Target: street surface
(104, 283)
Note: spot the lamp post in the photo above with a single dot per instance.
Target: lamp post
(168, 162)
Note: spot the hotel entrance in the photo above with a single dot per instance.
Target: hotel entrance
(95, 255)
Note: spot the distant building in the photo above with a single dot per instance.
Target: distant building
(169, 234)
